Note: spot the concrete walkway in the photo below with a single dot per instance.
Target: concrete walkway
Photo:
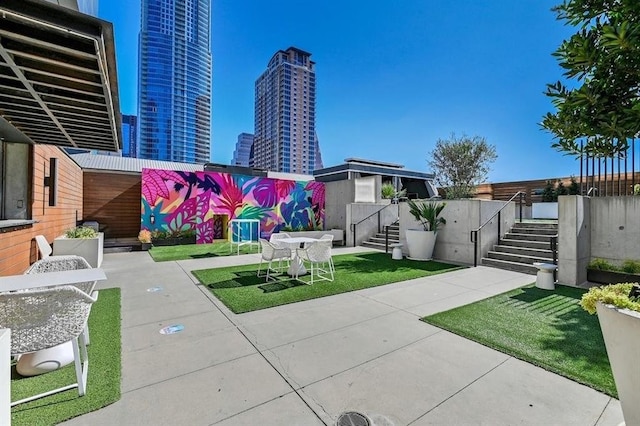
(306, 363)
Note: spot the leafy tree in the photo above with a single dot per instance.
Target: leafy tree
(603, 109)
(574, 188)
(549, 192)
(561, 190)
(461, 163)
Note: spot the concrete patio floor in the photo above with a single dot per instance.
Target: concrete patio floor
(306, 363)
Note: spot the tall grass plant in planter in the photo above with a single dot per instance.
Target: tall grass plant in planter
(81, 241)
(421, 242)
(618, 309)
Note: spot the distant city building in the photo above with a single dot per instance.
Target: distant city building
(285, 114)
(129, 135)
(242, 153)
(319, 165)
(174, 81)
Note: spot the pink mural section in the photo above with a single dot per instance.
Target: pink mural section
(204, 202)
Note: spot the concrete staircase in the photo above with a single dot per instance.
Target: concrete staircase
(525, 244)
(378, 240)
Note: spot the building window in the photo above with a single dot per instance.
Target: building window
(14, 192)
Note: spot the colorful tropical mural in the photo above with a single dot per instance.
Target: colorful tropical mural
(205, 202)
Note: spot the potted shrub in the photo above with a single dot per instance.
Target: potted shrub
(145, 239)
(604, 272)
(618, 309)
(81, 241)
(388, 192)
(421, 242)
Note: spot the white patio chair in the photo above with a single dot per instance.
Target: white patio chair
(44, 248)
(271, 253)
(43, 318)
(276, 237)
(65, 263)
(318, 255)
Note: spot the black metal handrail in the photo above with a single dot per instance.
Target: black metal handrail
(553, 242)
(474, 233)
(354, 225)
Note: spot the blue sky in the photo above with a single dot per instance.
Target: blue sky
(392, 76)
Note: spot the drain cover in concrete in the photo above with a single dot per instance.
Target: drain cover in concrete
(351, 418)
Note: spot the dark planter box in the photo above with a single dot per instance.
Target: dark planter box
(611, 277)
(173, 241)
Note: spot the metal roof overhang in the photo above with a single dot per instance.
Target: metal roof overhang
(58, 81)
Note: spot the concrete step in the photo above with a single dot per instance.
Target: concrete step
(536, 225)
(373, 245)
(380, 239)
(523, 251)
(542, 245)
(511, 266)
(534, 231)
(527, 237)
(530, 260)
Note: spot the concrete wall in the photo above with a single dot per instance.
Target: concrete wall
(615, 228)
(454, 243)
(603, 227)
(337, 196)
(574, 238)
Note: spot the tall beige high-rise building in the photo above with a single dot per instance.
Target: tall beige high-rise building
(285, 114)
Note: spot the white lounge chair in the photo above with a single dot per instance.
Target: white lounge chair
(47, 317)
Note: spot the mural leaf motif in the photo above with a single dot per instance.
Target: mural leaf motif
(154, 183)
(265, 193)
(230, 195)
(184, 216)
(317, 194)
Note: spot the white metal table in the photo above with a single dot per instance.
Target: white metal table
(297, 266)
(50, 279)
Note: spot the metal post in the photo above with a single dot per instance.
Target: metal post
(499, 221)
(474, 240)
(521, 194)
(386, 239)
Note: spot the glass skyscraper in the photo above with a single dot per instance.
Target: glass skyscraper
(174, 93)
(285, 114)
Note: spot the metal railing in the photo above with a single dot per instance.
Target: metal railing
(474, 233)
(553, 242)
(353, 226)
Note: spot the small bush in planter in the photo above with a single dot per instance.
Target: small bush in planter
(624, 296)
(601, 265)
(81, 232)
(631, 266)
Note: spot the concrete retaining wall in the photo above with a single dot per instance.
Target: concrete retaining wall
(453, 243)
(603, 227)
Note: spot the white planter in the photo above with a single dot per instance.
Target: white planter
(420, 243)
(620, 329)
(89, 248)
(544, 210)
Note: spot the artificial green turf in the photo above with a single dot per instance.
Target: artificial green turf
(103, 382)
(548, 329)
(198, 251)
(241, 290)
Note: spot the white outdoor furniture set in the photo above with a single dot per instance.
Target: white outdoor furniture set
(47, 309)
(314, 252)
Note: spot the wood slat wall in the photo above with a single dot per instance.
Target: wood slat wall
(17, 247)
(113, 200)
